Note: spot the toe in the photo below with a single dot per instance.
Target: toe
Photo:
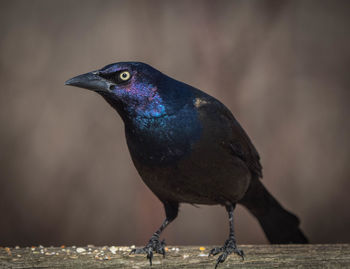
(150, 256)
(153, 245)
(138, 251)
(215, 251)
(161, 251)
(221, 259)
(240, 253)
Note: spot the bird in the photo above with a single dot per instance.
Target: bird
(189, 148)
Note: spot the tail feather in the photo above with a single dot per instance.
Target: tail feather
(279, 225)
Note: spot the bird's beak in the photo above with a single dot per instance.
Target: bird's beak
(91, 81)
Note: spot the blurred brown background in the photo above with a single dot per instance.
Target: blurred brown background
(282, 67)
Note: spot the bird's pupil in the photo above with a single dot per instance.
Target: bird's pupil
(124, 75)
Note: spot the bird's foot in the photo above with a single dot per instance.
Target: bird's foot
(155, 245)
(228, 248)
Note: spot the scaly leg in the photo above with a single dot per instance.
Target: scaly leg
(230, 244)
(154, 244)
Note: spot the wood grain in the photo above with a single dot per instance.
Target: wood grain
(257, 256)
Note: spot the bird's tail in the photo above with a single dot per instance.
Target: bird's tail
(279, 225)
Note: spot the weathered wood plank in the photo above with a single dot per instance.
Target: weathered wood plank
(257, 256)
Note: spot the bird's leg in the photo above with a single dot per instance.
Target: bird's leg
(230, 244)
(154, 244)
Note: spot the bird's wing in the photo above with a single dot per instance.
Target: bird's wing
(242, 147)
(237, 140)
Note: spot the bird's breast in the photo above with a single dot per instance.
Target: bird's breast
(164, 140)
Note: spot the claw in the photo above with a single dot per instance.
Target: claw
(153, 245)
(215, 251)
(228, 248)
(149, 257)
(240, 253)
(221, 259)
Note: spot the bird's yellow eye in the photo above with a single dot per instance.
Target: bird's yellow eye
(124, 76)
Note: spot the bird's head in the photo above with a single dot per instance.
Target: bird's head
(132, 88)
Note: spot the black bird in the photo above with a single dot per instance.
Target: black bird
(188, 148)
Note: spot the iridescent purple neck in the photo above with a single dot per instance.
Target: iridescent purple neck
(139, 101)
(145, 102)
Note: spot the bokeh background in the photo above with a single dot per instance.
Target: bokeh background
(66, 176)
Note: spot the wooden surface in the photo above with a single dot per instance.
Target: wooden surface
(257, 256)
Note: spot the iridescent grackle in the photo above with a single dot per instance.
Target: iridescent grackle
(188, 148)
